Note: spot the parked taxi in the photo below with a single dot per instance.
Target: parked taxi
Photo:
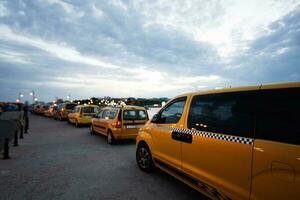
(63, 110)
(82, 114)
(119, 122)
(50, 111)
(236, 143)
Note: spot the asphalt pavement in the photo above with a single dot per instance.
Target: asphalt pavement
(58, 161)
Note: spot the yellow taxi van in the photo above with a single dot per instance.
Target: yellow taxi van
(236, 143)
(63, 110)
(82, 114)
(119, 123)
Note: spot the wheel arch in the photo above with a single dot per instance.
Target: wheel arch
(145, 137)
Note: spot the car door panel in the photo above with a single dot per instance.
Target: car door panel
(167, 149)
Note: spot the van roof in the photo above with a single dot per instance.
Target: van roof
(244, 88)
(88, 105)
(127, 107)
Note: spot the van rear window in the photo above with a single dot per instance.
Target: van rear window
(278, 118)
(135, 115)
(70, 106)
(90, 109)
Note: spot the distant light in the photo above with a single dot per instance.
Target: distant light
(21, 95)
(53, 101)
(78, 102)
(31, 93)
(17, 100)
(35, 99)
(68, 97)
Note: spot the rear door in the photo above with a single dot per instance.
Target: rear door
(219, 156)
(276, 163)
(96, 121)
(133, 120)
(103, 123)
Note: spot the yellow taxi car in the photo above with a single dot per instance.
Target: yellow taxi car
(50, 111)
(63, 110)
(36, 108)
(82, 114)
(119, 123)
(236, 143)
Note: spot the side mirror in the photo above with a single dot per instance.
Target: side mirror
(155, 118)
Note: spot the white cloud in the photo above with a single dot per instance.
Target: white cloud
(228, 25)
(281, 50)
(66, 6)
(59, 50)
(14, 57)
(3, 10)
(97, 12)
(119, 4)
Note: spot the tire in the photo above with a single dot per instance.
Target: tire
(110, 138)
(144, 158)
(77, 124)
(92, 132)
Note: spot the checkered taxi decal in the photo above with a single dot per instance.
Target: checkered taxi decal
(217, 136)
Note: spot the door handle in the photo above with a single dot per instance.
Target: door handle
(183, 137)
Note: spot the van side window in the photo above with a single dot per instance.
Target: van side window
(173, 112)
(226, 113)
(113, 113)
(278, 118)
(105, 114)
(99, 114)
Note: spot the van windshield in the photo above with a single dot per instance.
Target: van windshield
(134, 115)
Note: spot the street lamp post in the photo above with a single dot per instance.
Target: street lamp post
(34, 99)
(19, 97)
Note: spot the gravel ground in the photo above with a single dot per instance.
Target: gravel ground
(58, 161)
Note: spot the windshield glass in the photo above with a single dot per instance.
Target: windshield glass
(90, 109)
(134, 115)
(70, 106)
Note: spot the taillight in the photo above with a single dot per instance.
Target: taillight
(118, 124)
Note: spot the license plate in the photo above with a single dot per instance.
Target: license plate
(130, 126)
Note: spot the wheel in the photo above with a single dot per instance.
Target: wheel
(144, 158)
(92, 132)
(110, 138)
(77, 124)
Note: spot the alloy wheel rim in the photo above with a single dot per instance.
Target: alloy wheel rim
(143, 157)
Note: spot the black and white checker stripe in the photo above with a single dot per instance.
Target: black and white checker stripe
(217, 136)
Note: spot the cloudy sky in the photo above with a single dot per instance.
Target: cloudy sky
(143, 48)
